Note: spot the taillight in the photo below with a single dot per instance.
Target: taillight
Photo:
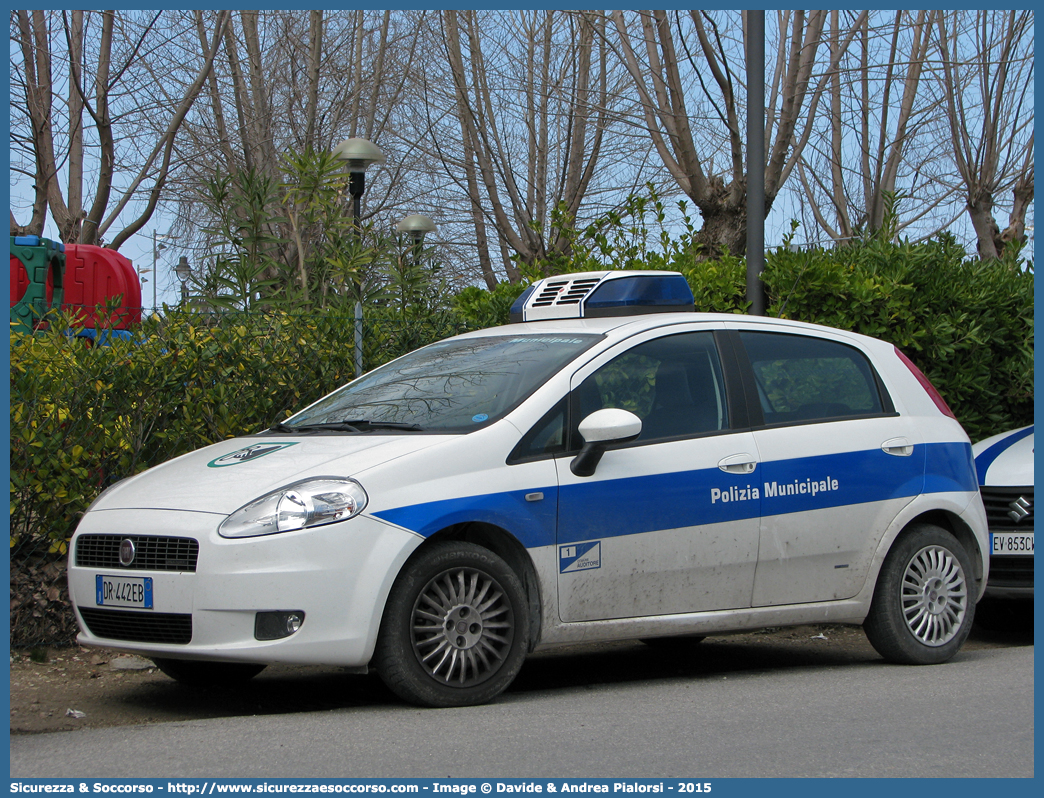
(927, 385)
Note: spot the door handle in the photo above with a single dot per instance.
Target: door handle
(738, 464)
(899, 447)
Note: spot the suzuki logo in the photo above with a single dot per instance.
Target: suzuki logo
(1020, 509)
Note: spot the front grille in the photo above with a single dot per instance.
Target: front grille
(565, 291)
(150, 553)
(999, 502)
(139, 627)
(1011, 571)
(1002, 516)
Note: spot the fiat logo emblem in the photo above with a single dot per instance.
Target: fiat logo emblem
(127, 552)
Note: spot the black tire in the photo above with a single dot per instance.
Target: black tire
(200, 673)
(456, 628)
(675, 644)
(924, 603)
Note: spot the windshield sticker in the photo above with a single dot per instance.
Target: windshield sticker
(580, 556)
(478, 419)
(545, 340)
(246, 455)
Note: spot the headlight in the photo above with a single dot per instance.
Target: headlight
(312, 502)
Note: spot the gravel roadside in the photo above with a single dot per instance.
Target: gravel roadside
(75, 688)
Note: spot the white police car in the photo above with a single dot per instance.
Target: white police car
(613, 466)
(1004, 464)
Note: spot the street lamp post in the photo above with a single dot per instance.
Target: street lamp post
(416, 226)
(184, 271)
(358, 155)
(156, 249)
(756, 161)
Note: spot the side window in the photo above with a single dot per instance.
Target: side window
(673, 384)
(547, 437)
(800, 378)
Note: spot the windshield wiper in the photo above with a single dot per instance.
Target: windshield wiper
(337, 426)
(348, 425)
(365, 422)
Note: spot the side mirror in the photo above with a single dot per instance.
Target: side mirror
(598, 430)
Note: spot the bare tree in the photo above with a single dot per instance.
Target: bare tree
(509, 127)
(293, 81)
(875, 141)
(287, 87)
(692, 103)
(986, 77)
(108, 53)
(531, 108)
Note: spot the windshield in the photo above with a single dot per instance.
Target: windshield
(452, 386)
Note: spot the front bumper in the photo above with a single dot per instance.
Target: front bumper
(1010, 577)
(338, 575)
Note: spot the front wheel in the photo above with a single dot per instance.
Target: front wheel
(923, 605)
(455, 630)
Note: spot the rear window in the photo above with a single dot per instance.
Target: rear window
(801, 378)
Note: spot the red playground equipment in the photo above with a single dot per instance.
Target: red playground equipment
(98, 287)
(93, 277)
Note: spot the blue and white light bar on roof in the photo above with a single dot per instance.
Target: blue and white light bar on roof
(589, 295)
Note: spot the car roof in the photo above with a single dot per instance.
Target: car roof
(625, 326)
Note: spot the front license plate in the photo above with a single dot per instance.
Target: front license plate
(123, 591)
(1011, 543)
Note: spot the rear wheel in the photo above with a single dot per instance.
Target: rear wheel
(455, 630)
(200, 673)
(923, 606)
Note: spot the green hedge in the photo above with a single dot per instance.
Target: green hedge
(83, 418)
(966, 323)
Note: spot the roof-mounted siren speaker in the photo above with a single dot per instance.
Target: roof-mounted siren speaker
(591, 295)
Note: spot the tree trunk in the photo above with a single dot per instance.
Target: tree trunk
(720, 192)
(223, 142)
(92, 232)
(262, 121)
(242, 100)
(315, 51)
(36, 59)
(75, 128)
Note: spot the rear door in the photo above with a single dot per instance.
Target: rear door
(838, 464)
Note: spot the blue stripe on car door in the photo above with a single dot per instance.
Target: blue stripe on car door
(600, 509)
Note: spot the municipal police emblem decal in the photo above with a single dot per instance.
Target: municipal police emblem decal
(580, 557)
(247, 454)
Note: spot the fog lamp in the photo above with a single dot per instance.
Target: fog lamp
(277, 625)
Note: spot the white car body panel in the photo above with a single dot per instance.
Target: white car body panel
(1004, 464)
(745, 568)
(1012, 464)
